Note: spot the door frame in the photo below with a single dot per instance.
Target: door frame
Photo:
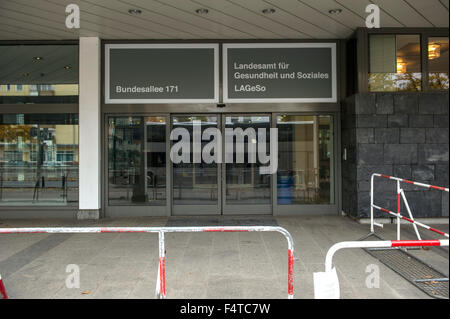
(193, 210)
(142, 210)
(313, 209)
(250, 209)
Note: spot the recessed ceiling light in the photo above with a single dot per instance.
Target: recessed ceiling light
(67, 67)
(38, 58)
(135, 12)
(268, 10)
(202, 11)
(335, 11)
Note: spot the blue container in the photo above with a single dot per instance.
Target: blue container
(285, 190)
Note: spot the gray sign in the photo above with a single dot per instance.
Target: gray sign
(161, 73)
(279, 72)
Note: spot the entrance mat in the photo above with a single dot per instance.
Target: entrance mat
(423, 276)
(182, 221)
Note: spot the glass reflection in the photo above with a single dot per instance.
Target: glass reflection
(194, 183)
(244, 183)
(137, 160)
(39, 74)
(395, 63)
(438, 63)
(305, 167)
(38, 159)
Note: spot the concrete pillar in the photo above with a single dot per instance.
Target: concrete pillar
(89, 128)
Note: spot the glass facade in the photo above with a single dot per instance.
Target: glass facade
(38, 159)
(305, 168)
(394, 63)
(38, 74)
(138, 165)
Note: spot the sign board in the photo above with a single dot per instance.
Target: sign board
(161, 73)
(279, 72)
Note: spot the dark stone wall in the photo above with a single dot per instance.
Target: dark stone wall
(400, 134)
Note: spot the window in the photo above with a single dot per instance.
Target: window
(40, 73)
(438, 63)
(394, 63)
(46, 87)
(12, 156)
(28, 143)
(65, 156)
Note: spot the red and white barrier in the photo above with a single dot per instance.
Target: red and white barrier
(2, 289)
(161, 280)
(401, 196)
(412, 221)
(326, 284)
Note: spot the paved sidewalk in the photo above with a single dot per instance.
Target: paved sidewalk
(198, 265)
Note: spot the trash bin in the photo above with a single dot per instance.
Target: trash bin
(285, 189)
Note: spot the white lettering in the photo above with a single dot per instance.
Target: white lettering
(73, 19)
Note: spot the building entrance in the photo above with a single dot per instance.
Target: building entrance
(142, 180)
(235, 187)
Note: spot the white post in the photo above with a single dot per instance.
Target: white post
(89, 128)
(410, 214)
(371, 204)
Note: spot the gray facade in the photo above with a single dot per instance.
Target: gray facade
(399, 134)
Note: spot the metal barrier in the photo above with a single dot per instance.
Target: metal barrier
(161, 279)
(2, 289)
(401, 196)
(327, 284)
(379, 244)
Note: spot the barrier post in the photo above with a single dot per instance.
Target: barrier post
(162, 266)
(372, 230)
(410, 214)
(398, 210)
(2, 289)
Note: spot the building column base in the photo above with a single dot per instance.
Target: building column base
(88, 214)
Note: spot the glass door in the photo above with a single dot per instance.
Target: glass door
(246, 189)
(305, 176)
(136, 166)
(195, 180)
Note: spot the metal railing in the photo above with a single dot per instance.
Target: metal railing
(326, 284)
(161, 279)
(379, 244)
(401, 196)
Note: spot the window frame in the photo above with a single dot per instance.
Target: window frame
(43, 108)
(432, 35)
(362, 36)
